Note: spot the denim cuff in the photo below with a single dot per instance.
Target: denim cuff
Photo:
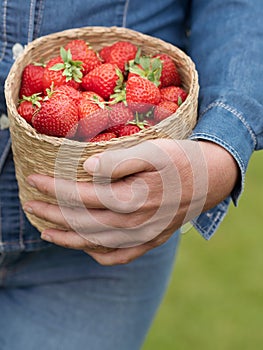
(226, 126)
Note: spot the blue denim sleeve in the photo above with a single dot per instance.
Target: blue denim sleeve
(225, 41)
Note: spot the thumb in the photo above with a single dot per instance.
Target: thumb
(123, 162)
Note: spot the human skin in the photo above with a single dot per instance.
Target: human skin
(158, 185)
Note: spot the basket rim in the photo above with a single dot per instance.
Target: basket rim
(78, 32)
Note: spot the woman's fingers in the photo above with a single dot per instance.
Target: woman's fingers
(72, 240)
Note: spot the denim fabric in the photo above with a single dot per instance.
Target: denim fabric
(223, 37)
(61, 299)
(227, 47)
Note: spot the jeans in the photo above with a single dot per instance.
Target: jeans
(59, 298)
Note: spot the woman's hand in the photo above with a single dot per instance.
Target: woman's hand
(139, 197)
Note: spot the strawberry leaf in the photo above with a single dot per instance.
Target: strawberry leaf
(34, 99)
(57, 67)
(71, 69)
(179, 101)
(65, 54)
(138, 55)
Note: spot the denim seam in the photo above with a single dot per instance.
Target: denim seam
(125, 13)
(4, 154)
(6, 243)
(39, 19)
(1, 234)
(31, 21)
(206, 232)
(21, 227)
(235, 113)
(4, 37)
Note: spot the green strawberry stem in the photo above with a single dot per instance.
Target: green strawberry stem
(119, 90)
(34, 99)
(71, 69)
(39, 64)
(139, 121)
(179, 101)
(146, 67)
(50, 91)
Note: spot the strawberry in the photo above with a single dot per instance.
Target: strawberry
(119, 114)
(92, 119)
(173, 93)
(58, 116)
(141, 94)
(93, 97)
(105, 52)
(28, 106)
(67, 90)
(131, 127)
(103, 80)
(105, 136)
(80, 51)
(169, 75)
(128, 129)
(119, 53)
(62, 70)
(32, 80)
(164, 109)
(77, 47)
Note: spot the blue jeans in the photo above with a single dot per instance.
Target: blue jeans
(58, 298)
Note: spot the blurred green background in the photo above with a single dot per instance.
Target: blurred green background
(215, 297)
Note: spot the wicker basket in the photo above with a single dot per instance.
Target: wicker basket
(37, 153)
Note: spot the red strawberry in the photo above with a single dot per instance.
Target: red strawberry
(92, 119)
(67, 90)
(170, 75)
(164, 110)
(127, 130)
(105, 52)
(119, 114)
(32, 80)
(141, 94)
(174, 94)
(92, 96)
(77, 47)
(80, 51)
(103, 80)
(120, 53)
(58, 116)
(91, 61)
(62, 70)
(28, 106)
(105, 136)
(26, 110)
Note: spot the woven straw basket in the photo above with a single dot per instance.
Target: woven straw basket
(61, 157)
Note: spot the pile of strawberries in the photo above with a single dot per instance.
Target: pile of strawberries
(95, 96)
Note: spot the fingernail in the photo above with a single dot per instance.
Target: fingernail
(46, 237)
(31, 182)
(91, 164)
(28, 209)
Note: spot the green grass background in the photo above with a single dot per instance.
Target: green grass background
(215, 297)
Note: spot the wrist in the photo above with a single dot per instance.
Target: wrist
(223, 172)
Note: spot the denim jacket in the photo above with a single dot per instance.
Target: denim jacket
(224, 38)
